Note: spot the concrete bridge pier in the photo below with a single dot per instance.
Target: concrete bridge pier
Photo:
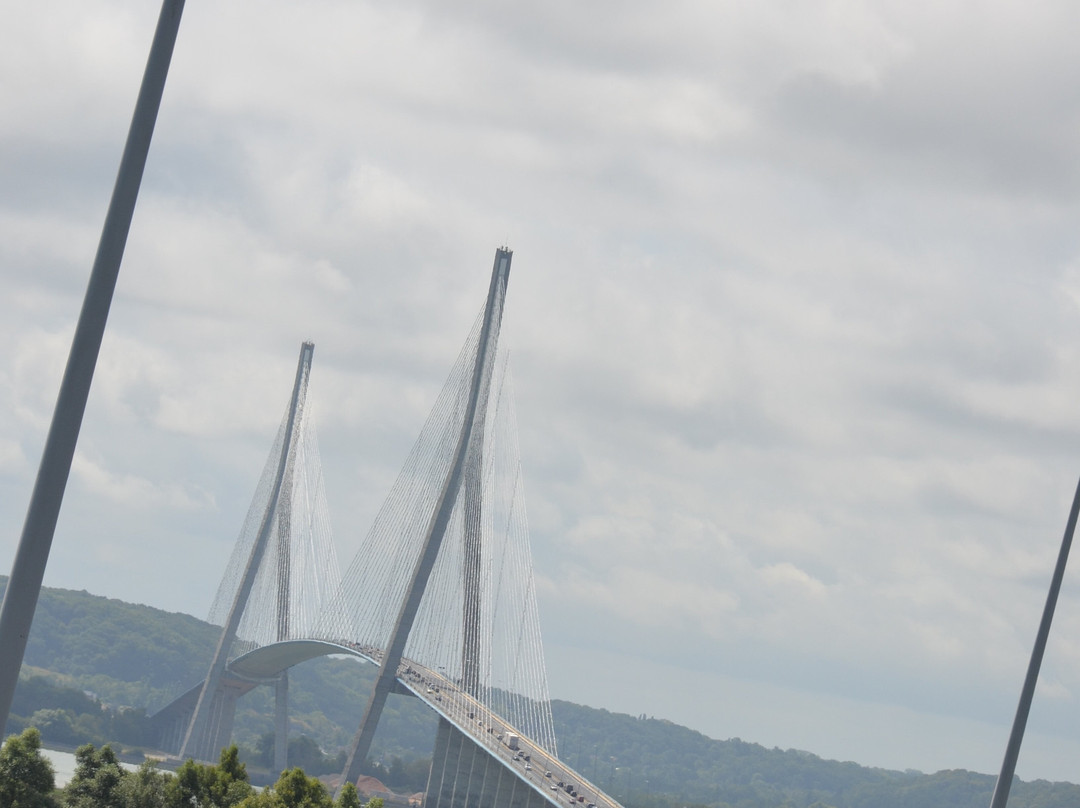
(281, 722)
(171, 724)
(464, 775)
(219, 724)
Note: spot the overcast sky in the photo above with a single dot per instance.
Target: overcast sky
(794, 315)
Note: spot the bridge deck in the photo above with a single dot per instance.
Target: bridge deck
(534, 765)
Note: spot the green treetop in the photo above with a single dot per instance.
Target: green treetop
(26, 777)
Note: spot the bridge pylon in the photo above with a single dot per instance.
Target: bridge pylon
(463, 473)
(279, 578)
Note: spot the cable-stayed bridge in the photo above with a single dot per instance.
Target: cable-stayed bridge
(440, 595)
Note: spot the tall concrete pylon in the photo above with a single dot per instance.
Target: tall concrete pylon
(213, 710)
(468, 451)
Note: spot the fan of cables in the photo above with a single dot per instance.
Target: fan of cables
(298, 572)
(478, 622)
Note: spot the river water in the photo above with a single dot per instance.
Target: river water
(64, 765)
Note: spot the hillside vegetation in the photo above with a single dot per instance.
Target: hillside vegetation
(95, 667)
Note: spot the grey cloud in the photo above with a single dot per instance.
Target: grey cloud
(791, 312)
(928, 117)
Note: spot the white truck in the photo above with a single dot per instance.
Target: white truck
(511, 741)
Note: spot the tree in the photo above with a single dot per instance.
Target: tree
(144, 788)
(305, 753)
(396, 774)
(97, 778)
(128, 725)
(56, 725)
(296, 789)
(26, 777)
(264, 750)
(197, 784)
(293, 789)
(230, 767)
(348, 798)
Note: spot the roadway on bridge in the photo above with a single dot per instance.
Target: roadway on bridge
(532, 764)
(560, 784)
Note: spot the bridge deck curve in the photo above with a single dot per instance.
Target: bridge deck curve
(534, 765)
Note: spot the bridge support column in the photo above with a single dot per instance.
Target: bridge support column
(224, 714)
(438, 765)
(281, 723)
(170, 733)
(465, 775)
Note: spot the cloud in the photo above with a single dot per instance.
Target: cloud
(793, 297)
(130, 491)
(12, 458)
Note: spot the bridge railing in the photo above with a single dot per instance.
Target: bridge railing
(560, 784)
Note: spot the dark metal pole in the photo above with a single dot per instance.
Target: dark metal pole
(28, 570)
(1012, 751)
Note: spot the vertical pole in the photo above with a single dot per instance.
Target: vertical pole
(284, 548)
(472, 527)
(281, 722)
(1012, 750)
(281, 687)
(32, 555)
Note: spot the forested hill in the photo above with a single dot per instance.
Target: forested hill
(131, 654)
(140, 657)
(644, 761)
